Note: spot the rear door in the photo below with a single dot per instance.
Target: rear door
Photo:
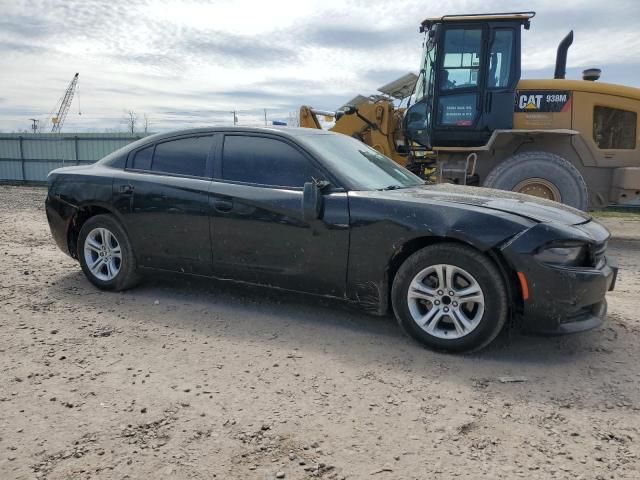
(258, 232)
(164, 196)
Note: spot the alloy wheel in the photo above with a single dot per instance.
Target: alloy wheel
(446, 301)
(102, 254)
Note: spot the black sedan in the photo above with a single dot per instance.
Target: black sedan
(322, 213)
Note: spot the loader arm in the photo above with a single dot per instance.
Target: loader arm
(308, 118)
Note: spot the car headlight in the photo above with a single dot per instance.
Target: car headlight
(569, 254)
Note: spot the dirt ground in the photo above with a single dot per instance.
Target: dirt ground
(188, 378)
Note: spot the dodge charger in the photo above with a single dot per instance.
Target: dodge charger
(322, 213)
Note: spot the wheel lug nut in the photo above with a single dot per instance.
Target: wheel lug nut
(437, 302)
(446, 309)
(451, 294)
(455, 304)
(440, 292)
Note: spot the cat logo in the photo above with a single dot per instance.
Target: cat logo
(530, 102)
(543, 101)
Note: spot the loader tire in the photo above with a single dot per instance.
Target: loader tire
(541, 174)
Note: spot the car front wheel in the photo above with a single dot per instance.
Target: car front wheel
(105, 254)
(450, 297)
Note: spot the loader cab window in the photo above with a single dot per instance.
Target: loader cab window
(425, 79)
(500, 59)
(461, 67)
(614, 128)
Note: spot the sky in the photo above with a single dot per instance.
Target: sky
(190, 63)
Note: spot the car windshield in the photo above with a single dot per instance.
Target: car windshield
(360, 164)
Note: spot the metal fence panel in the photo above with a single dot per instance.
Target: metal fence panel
(10, 170)
(30, 158)
(10, 148)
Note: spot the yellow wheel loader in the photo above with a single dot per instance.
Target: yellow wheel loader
(471, 119)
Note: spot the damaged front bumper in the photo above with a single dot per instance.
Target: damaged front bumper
(567, 300)
(562, 299)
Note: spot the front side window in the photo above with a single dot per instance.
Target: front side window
(358, 163)
(265, 161)
(614, 128)
(186, 156)
(462, 49)
(500, 59)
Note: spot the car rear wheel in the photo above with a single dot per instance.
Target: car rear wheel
(105, 254)
(450, 297)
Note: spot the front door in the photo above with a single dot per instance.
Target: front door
(458, 85)
(164, 198)
(258, 231)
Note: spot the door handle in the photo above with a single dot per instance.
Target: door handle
(126, 188)
(223, 205)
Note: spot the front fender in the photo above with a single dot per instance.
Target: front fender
(380, 231)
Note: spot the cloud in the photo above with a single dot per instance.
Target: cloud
(192, 61)
(11, 47)
(286, 100)
(162, 64)
(351, 38)
(26, 26)
(221, 46)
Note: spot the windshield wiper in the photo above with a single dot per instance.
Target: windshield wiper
(392, 187)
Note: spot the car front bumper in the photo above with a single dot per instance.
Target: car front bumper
(567, 300)
(560, 299)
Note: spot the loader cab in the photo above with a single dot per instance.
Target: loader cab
(468, 77)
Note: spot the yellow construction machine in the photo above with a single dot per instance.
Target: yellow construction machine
(470, 119)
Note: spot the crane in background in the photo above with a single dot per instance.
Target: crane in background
(62, 108)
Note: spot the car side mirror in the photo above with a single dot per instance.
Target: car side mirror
(312, 201)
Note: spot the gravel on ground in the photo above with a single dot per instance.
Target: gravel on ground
(190, 378)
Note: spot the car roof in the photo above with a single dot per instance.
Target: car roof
(286, 132)
(291, 132)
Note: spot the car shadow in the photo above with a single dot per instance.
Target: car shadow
(316, 323)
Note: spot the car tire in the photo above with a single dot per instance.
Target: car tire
(430, 276)
(105, 254)
(544, 172)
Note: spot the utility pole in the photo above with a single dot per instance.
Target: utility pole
(265, 117)
(34, 125)
(235, 117)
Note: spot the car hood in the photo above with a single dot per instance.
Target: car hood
(534, 208)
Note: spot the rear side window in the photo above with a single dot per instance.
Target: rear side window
(265, 161)
(187, 156)
(142, 159)
(614, 128)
